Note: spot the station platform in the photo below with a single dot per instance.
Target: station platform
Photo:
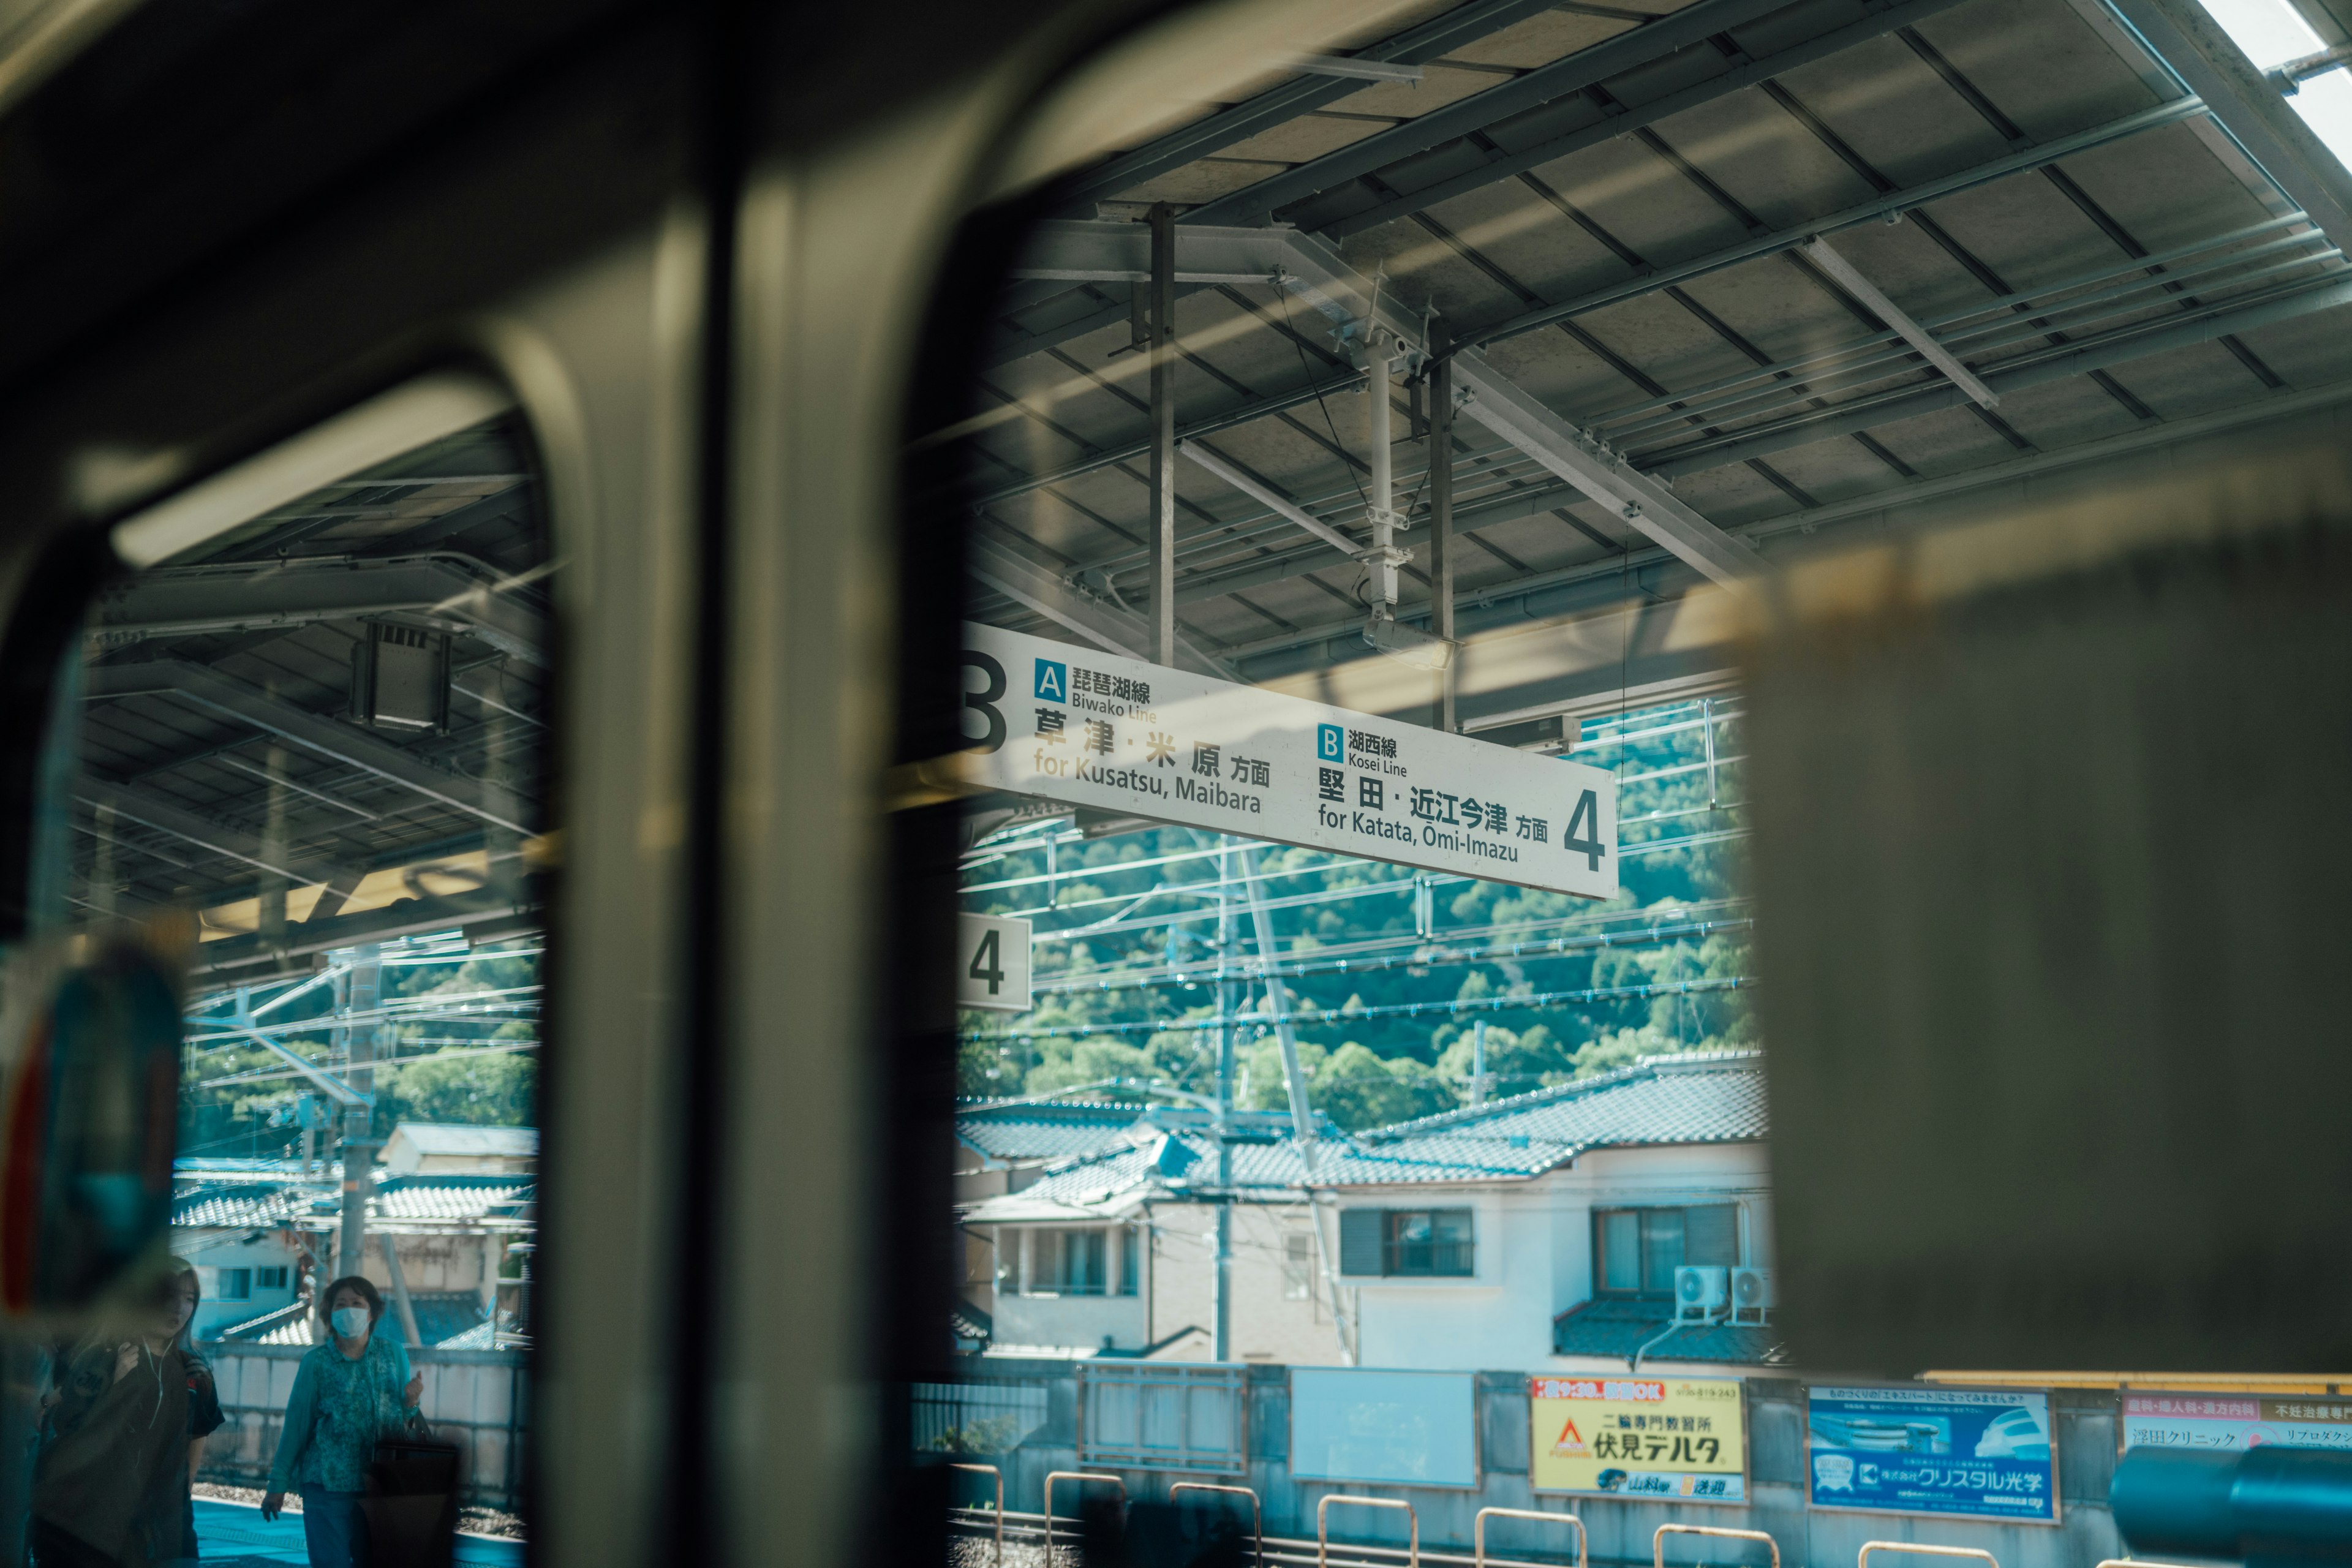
(235, 1535)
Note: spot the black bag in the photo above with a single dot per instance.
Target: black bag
(411, 1502)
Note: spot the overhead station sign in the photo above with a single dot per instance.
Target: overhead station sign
(1120, 735)
(1664, 1437)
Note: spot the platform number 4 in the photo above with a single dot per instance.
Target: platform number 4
(993, 964)
(1583, 835)
(986, 964)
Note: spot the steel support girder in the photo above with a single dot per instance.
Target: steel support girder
(1313, 268)
(1503, 162)
(1255, 408)
(1279, 105)
(331, 738)
(1877, 209)
(1036, 588)
(1495, 401)
(1611, 56)
(1281, 506)
(173, 602)
(1873, 298)
(2054, 365)
(132, 804)
(1089, 250)
(1598, 584)
(2181, 34)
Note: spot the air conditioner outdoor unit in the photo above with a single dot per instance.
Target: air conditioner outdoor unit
(1701, 1290)
(1752, 1291)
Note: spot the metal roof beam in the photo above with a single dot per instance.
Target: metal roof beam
(1313, 268)
(132, 805)
(1611, 56)
(1873, 300)
(1503, 162)
(1276, 106)
(2181, 34)
(1877, 210)
(338, 742)
(1036, 588)
(1255, 408)
(1496, 402)
(171, 601)
(1280, 505)
(2077, 358)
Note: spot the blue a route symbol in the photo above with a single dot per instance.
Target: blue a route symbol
(1329, 739)
(1053, 682)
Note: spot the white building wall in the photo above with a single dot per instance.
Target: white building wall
(1533, 1252)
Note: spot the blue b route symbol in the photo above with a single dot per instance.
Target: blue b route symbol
(1053, 682)
(1328, 738)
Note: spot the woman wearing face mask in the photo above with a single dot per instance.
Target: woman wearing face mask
(110, 1486)
(348, 1392)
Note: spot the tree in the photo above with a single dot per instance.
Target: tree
(454, 1085)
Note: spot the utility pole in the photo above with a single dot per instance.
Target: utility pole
(1478, 1062)
(1162, 350)
(362, 993)
(1221, 1308)
(1302, 1119)
(1441, 511)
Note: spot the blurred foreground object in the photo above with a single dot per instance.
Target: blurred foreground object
(2268, 1506)
(2052, 867)
(92, 1119)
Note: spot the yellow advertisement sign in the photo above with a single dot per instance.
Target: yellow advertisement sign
(1678, 1438)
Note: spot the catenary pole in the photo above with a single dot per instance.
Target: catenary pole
(1302, 1119)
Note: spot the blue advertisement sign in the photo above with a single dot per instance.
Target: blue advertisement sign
(1975, 1453)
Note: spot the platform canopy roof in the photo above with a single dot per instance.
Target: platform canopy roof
(1728, 281)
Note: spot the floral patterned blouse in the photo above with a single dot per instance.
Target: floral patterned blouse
(340, 1407)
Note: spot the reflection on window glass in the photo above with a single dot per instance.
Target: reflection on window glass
(309, 754)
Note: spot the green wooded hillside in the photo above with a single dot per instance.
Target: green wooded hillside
(1395, 969)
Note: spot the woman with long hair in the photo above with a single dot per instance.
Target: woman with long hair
(350, 1391)
(111, 1485)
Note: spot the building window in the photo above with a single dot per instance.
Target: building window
(1406, 1242)
(1297, 1268)
(233, 1284)
(1636, 1251)
(270, 1279)
(1078, 1262)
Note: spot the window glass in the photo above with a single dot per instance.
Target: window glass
(1620, 1250)
(1662, 1248)
(304, 747)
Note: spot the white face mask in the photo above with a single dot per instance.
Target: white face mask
(349, 1321)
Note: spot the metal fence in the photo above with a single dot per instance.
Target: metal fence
(478, 1399)
(1161, 1415)
(985, 1417)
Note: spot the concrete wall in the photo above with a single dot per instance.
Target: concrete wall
(478, 1399)
(1621, 1531)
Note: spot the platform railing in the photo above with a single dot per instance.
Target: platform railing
(1323, 1529)
(991, 1470)
(1258, 1514)
(1478, 1529)
(1658, 1541)
(1915, 1549)
(1081, 1477)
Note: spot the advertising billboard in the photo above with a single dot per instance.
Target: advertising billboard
(1679, 1438)
(2228, 1422)
(1974, 1453)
